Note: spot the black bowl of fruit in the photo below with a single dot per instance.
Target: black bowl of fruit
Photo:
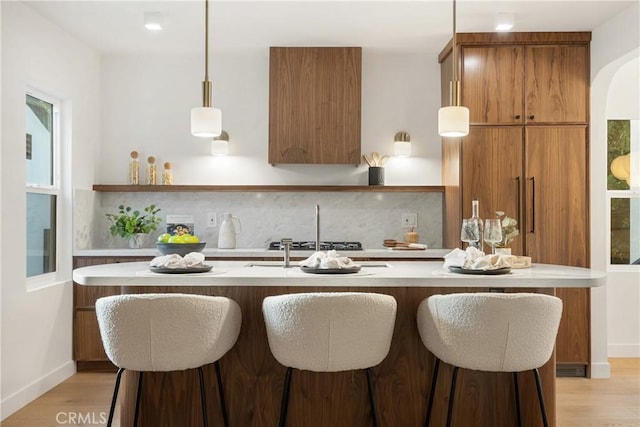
(179, 244)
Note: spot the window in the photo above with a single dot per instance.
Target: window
(623, 183)
(43, 185)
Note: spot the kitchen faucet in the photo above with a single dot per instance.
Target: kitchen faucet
(317, 228)
(286, 244)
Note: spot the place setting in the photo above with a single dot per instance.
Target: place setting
(190, 263)
(497, 233)
(330, 262)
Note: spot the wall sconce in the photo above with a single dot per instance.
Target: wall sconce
(220, 144)
(402, 144)
(504, 21)
(153, 21)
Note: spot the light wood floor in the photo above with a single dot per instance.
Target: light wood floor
(581, 402)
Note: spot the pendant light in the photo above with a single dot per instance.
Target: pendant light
(453, 121)
(206, 121)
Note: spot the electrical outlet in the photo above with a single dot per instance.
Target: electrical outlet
(212, 219)
(409, 219)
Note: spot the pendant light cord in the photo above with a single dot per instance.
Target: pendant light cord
(455, 56)
(455, 85)
(206, 84)
(206, 40)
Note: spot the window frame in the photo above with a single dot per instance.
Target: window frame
(55, 189)
(632, 193)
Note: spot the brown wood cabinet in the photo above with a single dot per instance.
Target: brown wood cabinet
(525, 84)
(88, 351)
(527, 154)
(493, 83)
(492, 172)
(314, 105)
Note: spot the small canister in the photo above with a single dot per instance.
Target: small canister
(134, 169)
(376, 175)
(152, 173)
(167, 174)
(411, 236)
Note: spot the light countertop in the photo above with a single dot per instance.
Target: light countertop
(372, 274)
(266, 253)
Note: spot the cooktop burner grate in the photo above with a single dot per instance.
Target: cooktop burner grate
(324, 246)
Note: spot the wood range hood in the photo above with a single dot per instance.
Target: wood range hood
(314, 105)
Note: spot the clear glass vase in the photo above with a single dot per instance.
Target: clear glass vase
(137, 241)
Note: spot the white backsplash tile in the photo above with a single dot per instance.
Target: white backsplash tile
(353, 216)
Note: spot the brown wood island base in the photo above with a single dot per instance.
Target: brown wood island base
(253, 379)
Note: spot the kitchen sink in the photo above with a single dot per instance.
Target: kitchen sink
(266, 264)
(295, 264)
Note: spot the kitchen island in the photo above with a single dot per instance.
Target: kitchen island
(253, 379)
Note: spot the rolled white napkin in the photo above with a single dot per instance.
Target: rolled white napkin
(458, 257)
(417, 245)
(330, 259)
(488, 262)
(190, 260)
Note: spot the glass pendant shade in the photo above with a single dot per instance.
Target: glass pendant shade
(206, 122)
(453, 121)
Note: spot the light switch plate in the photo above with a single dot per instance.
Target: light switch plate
(409, 219)
(212, 219)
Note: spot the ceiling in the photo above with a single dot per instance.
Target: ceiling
(116, 27)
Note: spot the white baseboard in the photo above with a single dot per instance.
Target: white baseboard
(623, 350)
(600, 370)
(32, 391)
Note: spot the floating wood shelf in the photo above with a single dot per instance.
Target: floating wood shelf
(268, 188)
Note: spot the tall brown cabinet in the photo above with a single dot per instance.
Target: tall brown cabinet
(527, 154)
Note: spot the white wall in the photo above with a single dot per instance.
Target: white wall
(623, 293)
(37, 325)
(614, 43)
(622, 100)
(147, 101)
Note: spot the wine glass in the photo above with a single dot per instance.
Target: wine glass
(492, 233)
(470, 232)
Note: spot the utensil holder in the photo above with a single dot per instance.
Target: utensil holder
(376, 175)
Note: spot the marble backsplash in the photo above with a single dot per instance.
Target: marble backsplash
(344, 216)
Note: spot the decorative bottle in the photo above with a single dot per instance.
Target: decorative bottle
(152, 173)
(475, 217)
(167, 174)
(134, 169)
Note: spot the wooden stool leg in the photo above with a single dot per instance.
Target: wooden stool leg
(372, 399)
(223, 403)
(203, 398)
(452, 393)
(517, 390)
(138, 395)
(115, 397)
(285, 398)
(434, 382)
(543, 409)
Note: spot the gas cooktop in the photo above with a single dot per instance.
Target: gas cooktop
(324, 246)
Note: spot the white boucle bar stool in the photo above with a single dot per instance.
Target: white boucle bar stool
(494, 332)
(329, 332)
(167, 332)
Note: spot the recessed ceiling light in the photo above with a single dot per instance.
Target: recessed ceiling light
(153, 21)
(504, 21)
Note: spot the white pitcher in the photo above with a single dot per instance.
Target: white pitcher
(227, 234)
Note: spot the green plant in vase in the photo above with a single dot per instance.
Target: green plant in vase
(509, 230)
(132, 225)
